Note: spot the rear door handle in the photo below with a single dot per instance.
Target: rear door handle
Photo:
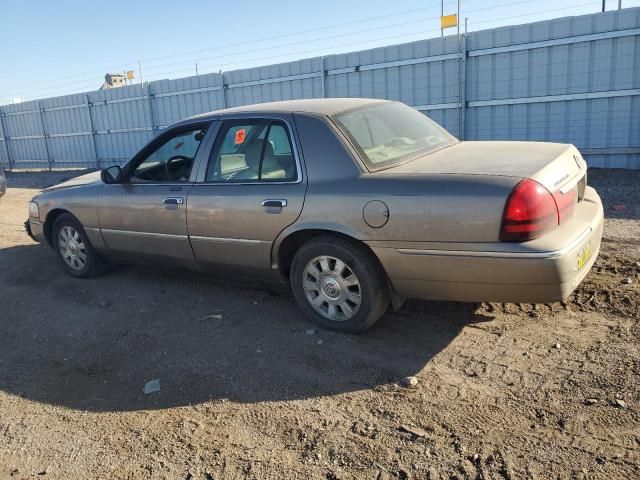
(274, 202)
(173, 201)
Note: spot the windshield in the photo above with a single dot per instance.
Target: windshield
(387, 134)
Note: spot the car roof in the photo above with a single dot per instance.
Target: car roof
(321, 106)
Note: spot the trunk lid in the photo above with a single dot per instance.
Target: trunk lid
(557, 166)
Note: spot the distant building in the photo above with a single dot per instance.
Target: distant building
(113, 80)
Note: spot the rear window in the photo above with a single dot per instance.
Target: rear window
(387, 134)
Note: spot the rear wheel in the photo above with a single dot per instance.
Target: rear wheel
(339, 284)
(73, 248)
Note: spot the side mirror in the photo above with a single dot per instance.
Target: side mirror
(111, 175)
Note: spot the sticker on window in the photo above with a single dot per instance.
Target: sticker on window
(240, 136)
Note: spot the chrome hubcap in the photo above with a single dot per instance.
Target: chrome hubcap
(72, 248)
(332, 288)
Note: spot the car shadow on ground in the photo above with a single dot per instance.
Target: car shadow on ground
(92, 344)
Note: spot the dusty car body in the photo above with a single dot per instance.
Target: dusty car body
(3, 182)
(357, 203)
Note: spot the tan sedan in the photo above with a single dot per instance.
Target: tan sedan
(356, 203)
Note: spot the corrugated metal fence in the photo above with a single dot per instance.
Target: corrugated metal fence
(573, 80)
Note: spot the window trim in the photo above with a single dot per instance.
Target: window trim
(201, 180)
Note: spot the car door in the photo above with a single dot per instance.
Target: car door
(144, 217)
(249, 190)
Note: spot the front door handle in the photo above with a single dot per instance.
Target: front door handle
(274, 202)
(173, 201)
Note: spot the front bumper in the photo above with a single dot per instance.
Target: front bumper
(35, 229)
(533, 272)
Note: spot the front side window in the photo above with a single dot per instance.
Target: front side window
(387, 134)
(252, 151)
(172, 161)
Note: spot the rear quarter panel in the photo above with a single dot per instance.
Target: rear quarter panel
(438, 208)
(422, 207)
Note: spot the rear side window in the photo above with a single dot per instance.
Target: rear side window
(280, 140)
(252, 151)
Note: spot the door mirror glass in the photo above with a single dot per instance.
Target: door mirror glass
(111, 175)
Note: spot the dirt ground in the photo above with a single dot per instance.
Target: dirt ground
(504, 391)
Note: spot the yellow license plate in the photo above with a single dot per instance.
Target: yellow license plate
(584, 255)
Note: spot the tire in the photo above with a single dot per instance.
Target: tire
(87, 263)
(318, 280)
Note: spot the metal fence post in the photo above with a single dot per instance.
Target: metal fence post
(224, 90)
(323, 78)
(462, 84)
(6, 140)
(93, 133)
(44, 136)
(151, 117)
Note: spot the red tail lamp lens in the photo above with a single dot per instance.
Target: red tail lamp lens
(565, 203)
(530, 212)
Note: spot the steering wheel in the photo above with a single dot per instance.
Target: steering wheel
(175, 173)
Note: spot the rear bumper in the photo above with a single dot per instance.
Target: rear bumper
(541, 271)
(35, 230)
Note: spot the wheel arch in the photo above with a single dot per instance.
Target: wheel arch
(289, 242)
(52, 216)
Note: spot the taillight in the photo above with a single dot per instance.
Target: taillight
(530, 212)
(565, 203)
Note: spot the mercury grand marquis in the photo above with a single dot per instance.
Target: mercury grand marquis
(356, 203)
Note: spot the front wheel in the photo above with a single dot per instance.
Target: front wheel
(74, 250)
(339, 284)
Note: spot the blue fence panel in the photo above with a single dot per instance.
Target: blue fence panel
(174, 100)
(571, 80)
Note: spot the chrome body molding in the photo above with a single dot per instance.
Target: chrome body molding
(243, 241)
(143, 234)
(470, 253)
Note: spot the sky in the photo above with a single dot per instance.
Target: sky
(50, 48)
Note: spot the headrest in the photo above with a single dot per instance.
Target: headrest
(252, 153)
